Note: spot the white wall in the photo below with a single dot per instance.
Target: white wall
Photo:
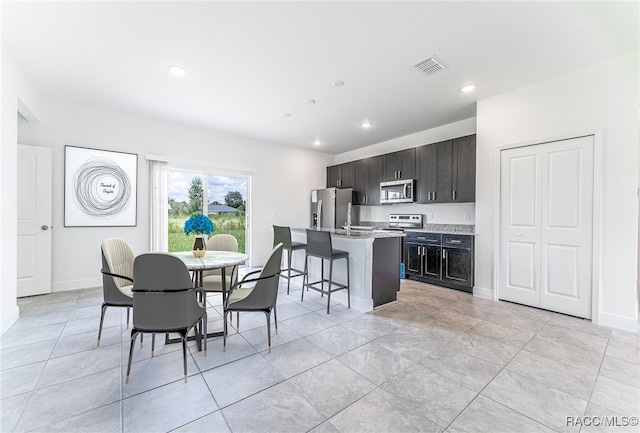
(443, 213)
(279, 188)
(17, 95)
(604, 95)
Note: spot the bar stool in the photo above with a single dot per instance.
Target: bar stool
(283, 235)
(319, 245)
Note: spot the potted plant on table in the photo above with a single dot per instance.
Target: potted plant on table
(199, 225)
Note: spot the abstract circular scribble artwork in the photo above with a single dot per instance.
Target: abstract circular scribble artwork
(101, 188)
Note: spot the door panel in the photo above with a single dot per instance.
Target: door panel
(567, 204)
(520, 225)
(34, 220)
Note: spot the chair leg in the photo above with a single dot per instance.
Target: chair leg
(268, 314)
(305, 277)
(289, 254)
(128, 317)
(322, 278)
(275, 318)
(183, 335)
(204, 332)
(134, 334)
(224, 332)
(348, 285)
(330, 281)
(153, 343)
(141, 339)
(104, 310)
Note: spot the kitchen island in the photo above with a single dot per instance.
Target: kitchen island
(374, 260)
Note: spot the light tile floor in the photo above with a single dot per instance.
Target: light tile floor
(437, 360)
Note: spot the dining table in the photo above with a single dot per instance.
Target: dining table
(210, 261)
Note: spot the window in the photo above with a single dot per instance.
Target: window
(223, 200)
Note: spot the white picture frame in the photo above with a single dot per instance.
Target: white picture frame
(100, 188)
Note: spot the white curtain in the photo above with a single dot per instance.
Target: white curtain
(159, 206)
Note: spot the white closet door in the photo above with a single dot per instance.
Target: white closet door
(567, 234)
(546, 211)
(520, 225)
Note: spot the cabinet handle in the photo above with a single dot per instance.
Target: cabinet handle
(455, 241)
(444, 254)
(454, 194)
(434, 195)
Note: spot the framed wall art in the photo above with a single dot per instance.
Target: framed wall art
(99, 188)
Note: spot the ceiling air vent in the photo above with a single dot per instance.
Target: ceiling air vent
(431, 65)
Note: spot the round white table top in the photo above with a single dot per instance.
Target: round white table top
(211, 259)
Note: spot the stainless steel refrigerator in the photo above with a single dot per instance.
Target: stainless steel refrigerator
(330, 207)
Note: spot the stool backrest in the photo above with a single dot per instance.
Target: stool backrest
(282, 235)
(319, 243)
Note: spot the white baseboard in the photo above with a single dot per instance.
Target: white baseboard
(9, 318)
(483, 293)
(63, 286)
(629, 324)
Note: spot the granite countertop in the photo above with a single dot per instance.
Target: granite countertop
(357, 234)
(457, 229)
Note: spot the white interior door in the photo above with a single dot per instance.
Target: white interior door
(546, 226)
(567, 234)
(34, 220)
(520, 179)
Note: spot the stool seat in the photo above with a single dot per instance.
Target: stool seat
(319, 246)
(282, 235)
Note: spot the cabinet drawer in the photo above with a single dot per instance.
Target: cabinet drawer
(457, 241)
(423, 238)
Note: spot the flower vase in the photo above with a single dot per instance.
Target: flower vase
(199, 246)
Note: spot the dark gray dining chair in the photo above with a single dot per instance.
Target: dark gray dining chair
(165, 301)
(319, 245)
(256, 294)
(283, 235)
(117, 277)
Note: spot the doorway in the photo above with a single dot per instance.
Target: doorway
(546, 225)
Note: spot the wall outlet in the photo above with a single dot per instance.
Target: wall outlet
(429, 216)
(467, 216)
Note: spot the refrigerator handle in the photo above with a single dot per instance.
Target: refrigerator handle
(319, 215)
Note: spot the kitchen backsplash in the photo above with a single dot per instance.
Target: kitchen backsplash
(468, 229)
(444, 213)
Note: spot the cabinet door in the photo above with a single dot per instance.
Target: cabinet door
(457, 266)
(432, 261)
(333, 176)
(464, 169)
(375, 177)
(346, 175)
(413, 258)
(361, 180)
(407, 163)
(427, 172)
(443, 177)
(391, 166)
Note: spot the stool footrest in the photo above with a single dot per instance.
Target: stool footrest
(334, 286)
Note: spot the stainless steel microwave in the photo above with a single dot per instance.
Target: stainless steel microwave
(397, 191)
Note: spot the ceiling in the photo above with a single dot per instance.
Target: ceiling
(249, 63)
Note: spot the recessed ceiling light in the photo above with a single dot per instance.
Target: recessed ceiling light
(287, 115)
(317, 142)
(310, 101)
(366, 124)
(337, 83)
(178, 71)
(468, 88)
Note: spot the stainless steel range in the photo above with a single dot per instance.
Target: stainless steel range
(405, 221)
